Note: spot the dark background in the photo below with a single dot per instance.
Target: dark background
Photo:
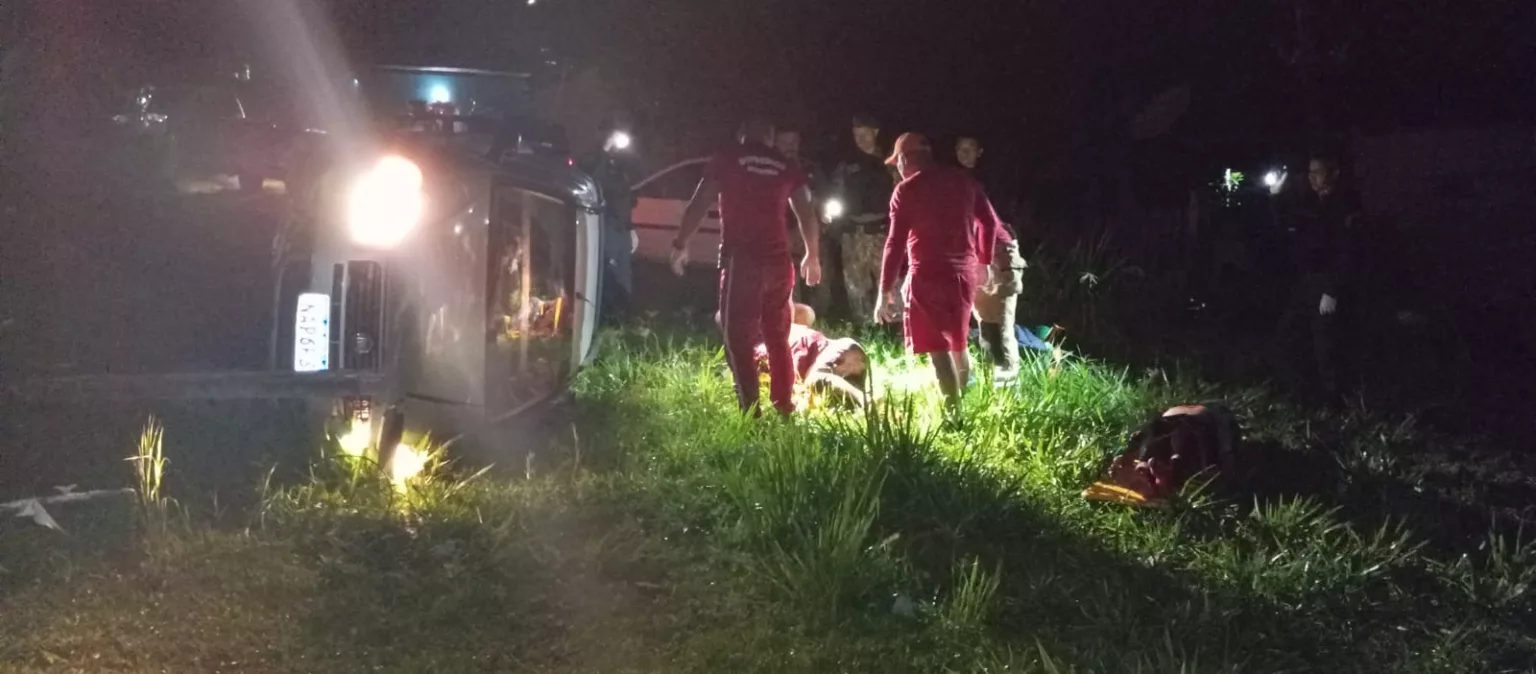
(1040, 81)
(1052, 88)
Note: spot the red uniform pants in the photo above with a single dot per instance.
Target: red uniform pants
(754, 309)
(938, 315)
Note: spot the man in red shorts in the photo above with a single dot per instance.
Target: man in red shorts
(753, 182)
(943, 226)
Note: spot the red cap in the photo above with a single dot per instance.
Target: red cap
(908, 142)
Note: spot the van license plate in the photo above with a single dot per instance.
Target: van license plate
(312, 333)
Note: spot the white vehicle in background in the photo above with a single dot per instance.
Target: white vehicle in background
(659, 203)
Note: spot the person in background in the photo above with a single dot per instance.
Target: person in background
(967, 152)
(995, 303)
(752, 181)
(787, 141)
(863, 184)
(1003, 194)
(944, 227)
(610, 167)
(1323, 232)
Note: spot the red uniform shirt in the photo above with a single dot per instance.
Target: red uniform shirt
(940, 218)
(755, 184)
(805, 345)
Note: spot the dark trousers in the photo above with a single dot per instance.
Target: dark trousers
(618, 274)
(1312, 346)
(830, 299)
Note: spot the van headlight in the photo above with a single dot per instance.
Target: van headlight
(386, 202)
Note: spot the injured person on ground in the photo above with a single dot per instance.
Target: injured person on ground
(828, 372)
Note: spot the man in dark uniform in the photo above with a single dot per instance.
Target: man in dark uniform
(864, 184)
(1323, 235)
(752, 183)
(610, 167)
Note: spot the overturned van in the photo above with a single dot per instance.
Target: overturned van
(449, 255)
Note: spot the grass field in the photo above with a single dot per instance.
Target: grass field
(671, 535)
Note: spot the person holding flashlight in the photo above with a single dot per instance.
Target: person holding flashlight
(859, 217)
(943, 226)
(609, 166)
(752, 182)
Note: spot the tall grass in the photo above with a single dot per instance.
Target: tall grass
(149, 475)
(982, 526)
(688, 537)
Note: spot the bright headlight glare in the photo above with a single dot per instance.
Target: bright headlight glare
(621, 140)
(386, 202)
(1272, 179)
(833, 209)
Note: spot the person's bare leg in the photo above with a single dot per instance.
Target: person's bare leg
(962, 361)
(949, 381)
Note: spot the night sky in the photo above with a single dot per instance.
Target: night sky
(1038, 77)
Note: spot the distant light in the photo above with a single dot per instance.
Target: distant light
(440, 94)
(532, 2)
(355, 82)
(833, 209)
(1271, 179)
(1231, 180)
(621, 140)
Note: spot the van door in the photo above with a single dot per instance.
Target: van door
(531, 297)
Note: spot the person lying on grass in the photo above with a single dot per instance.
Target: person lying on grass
(833, 370)
(1165, 454)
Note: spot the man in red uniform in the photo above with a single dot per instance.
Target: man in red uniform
(943, 226)
(753, 182)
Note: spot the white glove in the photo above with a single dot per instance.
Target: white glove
(1328, 305)
(634, 241)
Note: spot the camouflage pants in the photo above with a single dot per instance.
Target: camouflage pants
(995, 311)
(861, 272)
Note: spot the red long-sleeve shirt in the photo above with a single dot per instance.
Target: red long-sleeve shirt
(940, 217)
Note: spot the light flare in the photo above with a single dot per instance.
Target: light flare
(386, 203)
(408, 462)
(357, 439)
